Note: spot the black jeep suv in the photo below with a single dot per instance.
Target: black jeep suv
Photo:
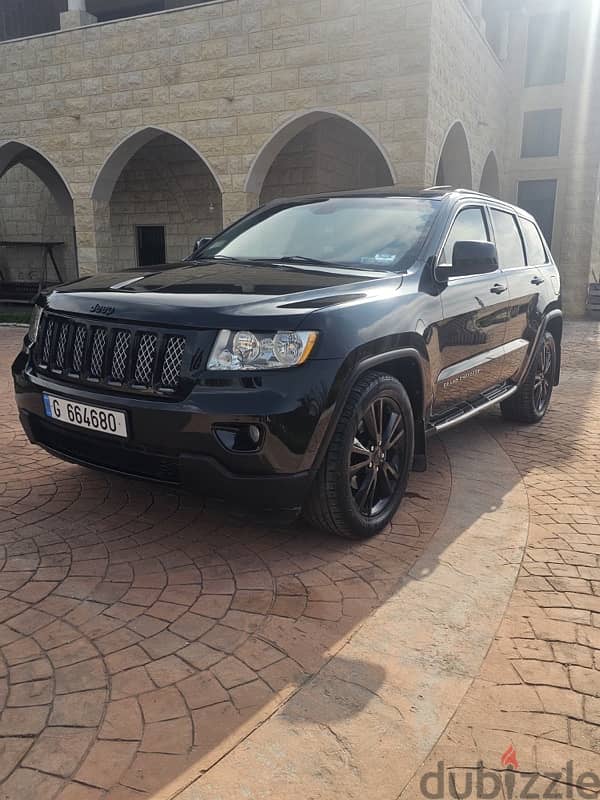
(302, 357)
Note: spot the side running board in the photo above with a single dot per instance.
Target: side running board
(471, 409)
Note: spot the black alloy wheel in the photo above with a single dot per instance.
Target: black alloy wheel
(377, 456)
(531, 402)
(362, 478)
(544, 377)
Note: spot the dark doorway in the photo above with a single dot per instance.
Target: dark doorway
(151, 245)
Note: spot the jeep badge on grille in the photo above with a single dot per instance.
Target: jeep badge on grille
(107, 311)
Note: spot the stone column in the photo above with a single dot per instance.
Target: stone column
(236, 204)
(76, 16)
(94, 242)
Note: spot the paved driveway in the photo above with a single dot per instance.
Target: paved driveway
(145, 632)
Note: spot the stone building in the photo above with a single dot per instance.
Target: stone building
(128, 128)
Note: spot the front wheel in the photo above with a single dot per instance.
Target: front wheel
(364, 474)
(531, 402)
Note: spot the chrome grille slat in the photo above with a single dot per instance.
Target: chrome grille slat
(98, 350)
(78, 348)
(48, 334)
(116, 356)
(171, 369)
(61, 345)
(145, 359)
(119, 357)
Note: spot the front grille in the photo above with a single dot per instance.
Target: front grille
(120, 357)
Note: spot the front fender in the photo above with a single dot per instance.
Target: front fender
(377, 355)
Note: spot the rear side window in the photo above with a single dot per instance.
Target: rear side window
(536, 252)
(508, 240)
(469, 226)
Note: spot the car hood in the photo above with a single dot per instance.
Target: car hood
(216, 293)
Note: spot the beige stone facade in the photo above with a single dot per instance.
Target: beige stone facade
(187, 118)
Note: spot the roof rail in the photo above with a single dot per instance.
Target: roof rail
(471, 191)
(437, 188)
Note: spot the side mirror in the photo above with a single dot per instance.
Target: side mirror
(200, 243)
(469, 258)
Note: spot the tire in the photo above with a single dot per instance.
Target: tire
(531, 402)
(338, 502)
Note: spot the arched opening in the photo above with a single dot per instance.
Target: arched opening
(318, 152)
(490, 180)
(156, 196)
(454, 168)
(35, 207)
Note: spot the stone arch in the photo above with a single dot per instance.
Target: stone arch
(490, 177)
(153, 178)
(454, 166)
(36, 204)
(319, 150)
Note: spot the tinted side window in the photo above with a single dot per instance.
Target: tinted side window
(469, 226)
(508, 240)
(536, 252)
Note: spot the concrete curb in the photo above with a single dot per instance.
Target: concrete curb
(365, 723)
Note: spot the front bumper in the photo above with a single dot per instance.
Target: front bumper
(175, 441)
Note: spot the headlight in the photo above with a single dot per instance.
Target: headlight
(34, 324)
(248, 350)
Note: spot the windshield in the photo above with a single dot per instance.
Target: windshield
(360, 232)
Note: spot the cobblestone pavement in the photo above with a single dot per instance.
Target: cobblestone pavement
(143, 630)
(538, 690)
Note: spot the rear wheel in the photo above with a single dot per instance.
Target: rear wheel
(364, 474)
(531, 402)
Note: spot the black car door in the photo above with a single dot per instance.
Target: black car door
(523, 291)
(526, 273)
(472, 333)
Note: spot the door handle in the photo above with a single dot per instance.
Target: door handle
(537, 280)
(498, 288)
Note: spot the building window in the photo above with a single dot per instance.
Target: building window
(547, 46)
(539, 198)
(151, 245)
(541, 133)
(20, 18)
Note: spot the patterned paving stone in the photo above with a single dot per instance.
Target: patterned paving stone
(141, 626)
(540, 684)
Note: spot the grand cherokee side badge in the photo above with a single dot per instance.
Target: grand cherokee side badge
(106, 310)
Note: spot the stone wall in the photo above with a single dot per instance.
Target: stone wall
(467, 84)
(238, 80)
(224, 77)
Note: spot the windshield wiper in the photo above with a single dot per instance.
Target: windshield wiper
(317, 262)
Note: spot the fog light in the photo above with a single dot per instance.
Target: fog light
(239, 438)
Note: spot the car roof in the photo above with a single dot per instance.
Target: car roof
(431, 192)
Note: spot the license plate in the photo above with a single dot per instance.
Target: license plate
(103, 420)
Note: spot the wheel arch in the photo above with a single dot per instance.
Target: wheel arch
(411, 368)
(554, 325)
